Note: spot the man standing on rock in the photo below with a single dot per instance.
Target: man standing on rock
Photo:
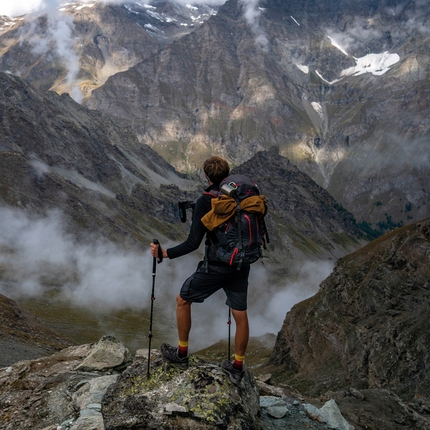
(210, 276)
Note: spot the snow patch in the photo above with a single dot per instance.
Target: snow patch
(294, 19)
(304, 69)
(153, 28)
(155, 15)
(318, 109)
(336, 45)
(85, 5)
(325, 80)
(377, 64)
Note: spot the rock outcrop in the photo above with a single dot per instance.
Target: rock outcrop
(83, 387)
(368, 326)
(200, 397)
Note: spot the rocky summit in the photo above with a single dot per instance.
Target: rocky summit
(101, 387)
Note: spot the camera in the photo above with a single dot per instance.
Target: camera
(183, 206)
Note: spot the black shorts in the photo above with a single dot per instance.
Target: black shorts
(202, 284)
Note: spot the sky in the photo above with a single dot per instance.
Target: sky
(21, 7)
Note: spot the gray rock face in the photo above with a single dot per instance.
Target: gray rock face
(332, 416)
(200, 397)
(109, 353)
(236, 87)
(368, 326)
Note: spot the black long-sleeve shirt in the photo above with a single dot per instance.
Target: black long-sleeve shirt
(197, 229)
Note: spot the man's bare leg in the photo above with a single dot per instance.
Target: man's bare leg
(183, 322)
(242, 331)
(235, 370)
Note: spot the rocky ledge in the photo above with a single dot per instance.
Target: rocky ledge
(100, 386)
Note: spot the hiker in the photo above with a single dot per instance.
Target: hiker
(210, 276)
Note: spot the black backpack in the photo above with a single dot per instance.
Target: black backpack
(240, 239)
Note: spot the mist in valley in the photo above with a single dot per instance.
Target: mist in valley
(85, 290)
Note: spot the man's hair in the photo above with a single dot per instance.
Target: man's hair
(216, 169)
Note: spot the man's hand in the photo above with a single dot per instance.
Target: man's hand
(155, 251)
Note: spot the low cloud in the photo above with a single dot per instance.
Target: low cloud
(38, 256)
(57, 43)
(252, 15)
(355, 36)
(22, 7)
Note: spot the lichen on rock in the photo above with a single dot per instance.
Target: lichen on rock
(200, 397)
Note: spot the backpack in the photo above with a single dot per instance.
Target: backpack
(240, 237)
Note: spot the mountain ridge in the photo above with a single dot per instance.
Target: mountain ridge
(240, 97)
(93, 169)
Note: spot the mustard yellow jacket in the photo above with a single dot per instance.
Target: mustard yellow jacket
(224, 208)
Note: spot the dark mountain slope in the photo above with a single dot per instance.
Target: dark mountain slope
(56, 154)
(368, 325)
(304, 220)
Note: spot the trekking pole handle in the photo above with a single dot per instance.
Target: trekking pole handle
(160, 251)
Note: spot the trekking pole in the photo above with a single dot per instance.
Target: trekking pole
(154, 269)
(229, 330)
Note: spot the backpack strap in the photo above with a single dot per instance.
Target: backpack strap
(213, 194)
(239, 234)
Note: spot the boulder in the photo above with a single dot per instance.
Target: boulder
(107, 354)
(201, 397)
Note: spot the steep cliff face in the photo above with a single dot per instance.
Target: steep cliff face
(55, 154)
(368, 325)
(339, 88)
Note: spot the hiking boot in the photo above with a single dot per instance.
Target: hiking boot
(234, 374)
(171, 354)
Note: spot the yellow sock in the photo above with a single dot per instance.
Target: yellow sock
(238, 361)
(182, 349)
